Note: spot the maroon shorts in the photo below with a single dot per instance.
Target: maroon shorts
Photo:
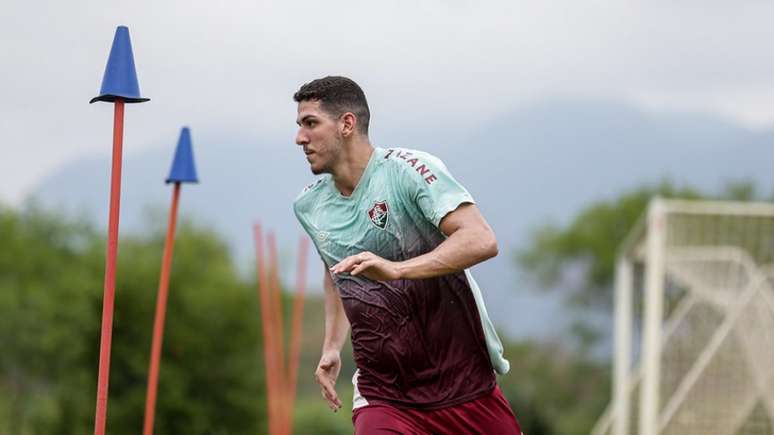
(489, 414)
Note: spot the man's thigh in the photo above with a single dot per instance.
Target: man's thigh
(490, 414)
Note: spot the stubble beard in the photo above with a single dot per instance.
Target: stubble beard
(333, 150)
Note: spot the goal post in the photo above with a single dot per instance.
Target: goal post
(699, 359)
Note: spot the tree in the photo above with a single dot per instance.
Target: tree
(51, 272)
(586, 248)
(554, 390)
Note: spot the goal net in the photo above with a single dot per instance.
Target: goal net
(694, 322)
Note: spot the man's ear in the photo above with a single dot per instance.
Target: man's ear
(348, 124)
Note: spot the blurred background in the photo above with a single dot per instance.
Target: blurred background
(562, 119)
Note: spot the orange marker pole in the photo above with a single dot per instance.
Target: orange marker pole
(161, 309)
(110, 271)
(276, 318)
(298, 320)
(263, 288)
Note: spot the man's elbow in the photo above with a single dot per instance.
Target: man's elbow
(489, 248)
(492, 249)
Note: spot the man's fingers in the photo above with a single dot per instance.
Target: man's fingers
(362, 266)
(343, 265)
(346, 264)
(331, 405)
(329, 393)
(349, 263)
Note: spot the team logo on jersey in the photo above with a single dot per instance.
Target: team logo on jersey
(379, 213)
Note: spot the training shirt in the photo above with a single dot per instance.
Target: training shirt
(425, 343)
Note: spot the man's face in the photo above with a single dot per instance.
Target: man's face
(319, 136)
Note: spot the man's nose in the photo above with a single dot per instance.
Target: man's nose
(301, 139)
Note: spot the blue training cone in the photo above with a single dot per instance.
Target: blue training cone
(183, 169)
(120, 79)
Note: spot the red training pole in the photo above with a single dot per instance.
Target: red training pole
(298, 320)
(161, 310)
(279, 336)
(110, 271)
(263, 288)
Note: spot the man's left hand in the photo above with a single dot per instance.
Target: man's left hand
(369, 265)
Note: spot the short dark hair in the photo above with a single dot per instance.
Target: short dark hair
(337, 95)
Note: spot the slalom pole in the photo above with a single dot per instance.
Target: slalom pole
(158, 323)
(278, 328)
(119, 86)
(263, 292)
(108, 297)
(182, 171)
(298, 320)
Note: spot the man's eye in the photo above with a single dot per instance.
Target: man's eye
(311, 124)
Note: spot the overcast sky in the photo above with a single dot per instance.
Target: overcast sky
(229, 68)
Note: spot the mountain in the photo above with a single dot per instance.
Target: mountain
(534, 163)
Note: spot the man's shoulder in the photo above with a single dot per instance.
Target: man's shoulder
(401, 154)
(414, 164)
(310, 194)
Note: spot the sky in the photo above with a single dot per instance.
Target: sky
(230, 68)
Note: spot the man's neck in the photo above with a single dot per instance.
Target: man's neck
(353, 163)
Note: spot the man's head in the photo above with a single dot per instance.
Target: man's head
(331, 111)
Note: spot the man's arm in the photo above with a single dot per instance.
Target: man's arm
(336, 328)
(470, 240)
(336, 323)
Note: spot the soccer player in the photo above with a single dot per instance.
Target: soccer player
(397, 234)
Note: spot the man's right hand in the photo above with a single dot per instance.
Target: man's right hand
(326, 374)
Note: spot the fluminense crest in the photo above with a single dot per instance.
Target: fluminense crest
(379, 214)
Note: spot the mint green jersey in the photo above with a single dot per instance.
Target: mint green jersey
(426, 343)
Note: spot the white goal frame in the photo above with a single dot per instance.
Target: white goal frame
(647, 245)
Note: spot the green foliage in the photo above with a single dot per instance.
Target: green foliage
(312, 416)
(47, 287)
(554, 390)
(589, 243)
(51, 274)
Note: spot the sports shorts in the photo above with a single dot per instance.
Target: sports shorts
(488, 414)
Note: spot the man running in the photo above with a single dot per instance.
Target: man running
(397, 234)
